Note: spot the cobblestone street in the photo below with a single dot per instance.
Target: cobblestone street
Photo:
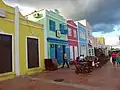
(105, 78)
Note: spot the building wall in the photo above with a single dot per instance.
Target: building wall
(100, 41)
(26, 28)
(72, 39)
(53, 39)
(48, 34)
(94, 41)
(7, 27)
(82, 38)
(33, 30)
(90, 37)
(58, 20)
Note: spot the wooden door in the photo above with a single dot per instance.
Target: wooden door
(32, 52)
(5, 53)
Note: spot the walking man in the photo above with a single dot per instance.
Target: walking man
(65, 60)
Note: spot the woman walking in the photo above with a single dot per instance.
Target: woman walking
(118, 58)
(113, 58)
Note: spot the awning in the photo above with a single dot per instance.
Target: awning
(54, 40)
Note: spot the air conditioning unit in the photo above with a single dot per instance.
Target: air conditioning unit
(37, 15)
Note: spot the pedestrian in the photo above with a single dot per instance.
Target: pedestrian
(65, 60)
(81, 57)
(118, 58)
(113, 58)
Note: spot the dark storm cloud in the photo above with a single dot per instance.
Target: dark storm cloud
(103, 15)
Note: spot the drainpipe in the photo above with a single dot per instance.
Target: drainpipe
(87, 42)
(17, 41)
(79, 52)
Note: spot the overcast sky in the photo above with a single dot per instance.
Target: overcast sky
(103, 15)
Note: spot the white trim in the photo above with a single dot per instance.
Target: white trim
(72, 40)
(45, 36)
(3, 33)
(10, 20)
(23, 18)
(63, 21)
(83, 42)
(33, 37)
(72, 25)
(17, 58)
(8, 11)
(31, 25)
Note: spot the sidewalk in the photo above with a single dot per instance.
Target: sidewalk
(105, 78)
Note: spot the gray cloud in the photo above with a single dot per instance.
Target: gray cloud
(103, 15)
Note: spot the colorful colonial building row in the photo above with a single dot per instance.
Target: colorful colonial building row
(63, 36)
(25, 42)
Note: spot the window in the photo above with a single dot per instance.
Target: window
(32, 52)
(82, 35)
(89, 52)
(71, 53)
(62, 28)
(75, 33)
(92, 51)
(69, 32)
(89, 33)
(52, 25)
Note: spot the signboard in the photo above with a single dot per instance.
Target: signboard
(2, 13)
(58, 33)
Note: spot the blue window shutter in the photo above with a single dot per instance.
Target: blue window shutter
(62, 28)
(52, 25)
(66, 31)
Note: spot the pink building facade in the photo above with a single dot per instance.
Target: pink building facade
(72, 39)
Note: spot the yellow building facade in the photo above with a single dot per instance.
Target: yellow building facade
(101, 40)
(17, 36)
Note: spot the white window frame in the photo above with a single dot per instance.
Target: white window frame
(69, 31)
(33, 37)
(71, 53)
(74, 33)
(76, 51)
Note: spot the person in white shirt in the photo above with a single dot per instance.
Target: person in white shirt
(81, 57)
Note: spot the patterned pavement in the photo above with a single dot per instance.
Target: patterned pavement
(105, 78)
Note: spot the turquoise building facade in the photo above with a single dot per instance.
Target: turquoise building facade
(55, 33)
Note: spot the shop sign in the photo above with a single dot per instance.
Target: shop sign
(2, 13)
(58, 33)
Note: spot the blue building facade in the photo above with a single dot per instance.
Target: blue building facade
(82, 39)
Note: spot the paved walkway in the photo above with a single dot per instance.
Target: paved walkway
(105, 78)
